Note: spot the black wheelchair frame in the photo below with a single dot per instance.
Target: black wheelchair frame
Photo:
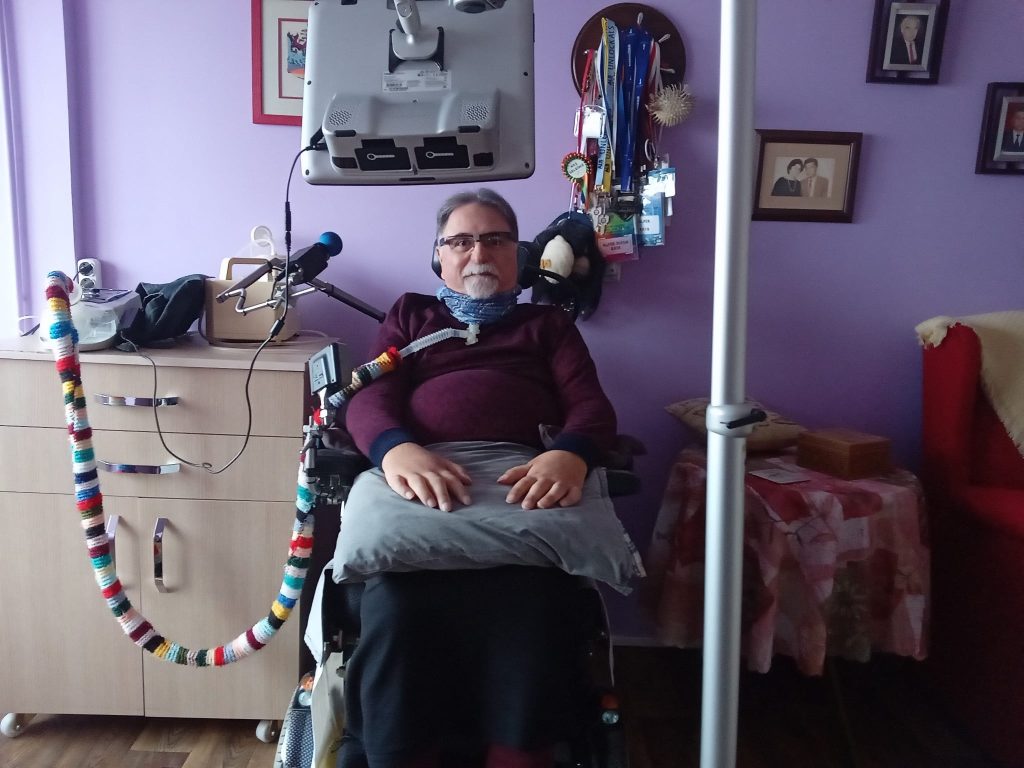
(598, 737)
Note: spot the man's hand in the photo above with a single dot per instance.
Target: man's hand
(414, 472)
(553, 477)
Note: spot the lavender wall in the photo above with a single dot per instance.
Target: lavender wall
(170, 175)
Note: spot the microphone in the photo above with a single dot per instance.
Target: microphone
(311, 261)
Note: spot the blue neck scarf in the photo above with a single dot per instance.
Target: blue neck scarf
(482, 311)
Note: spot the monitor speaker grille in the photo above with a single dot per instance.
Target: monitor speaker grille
(476, 112)
(338, 117)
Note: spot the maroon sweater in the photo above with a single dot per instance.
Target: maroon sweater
(530, 368)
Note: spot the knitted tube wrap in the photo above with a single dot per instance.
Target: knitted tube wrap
(63, 339)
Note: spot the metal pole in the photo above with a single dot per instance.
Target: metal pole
(727, 445)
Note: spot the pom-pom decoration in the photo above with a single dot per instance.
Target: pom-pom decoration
(671, 105)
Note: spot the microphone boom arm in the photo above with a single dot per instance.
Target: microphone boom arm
(347, 298)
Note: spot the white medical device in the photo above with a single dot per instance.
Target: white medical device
(99, 315)
(426, 92)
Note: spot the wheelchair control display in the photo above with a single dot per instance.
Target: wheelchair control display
(330, 471)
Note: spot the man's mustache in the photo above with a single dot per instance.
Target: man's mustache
(482, 269)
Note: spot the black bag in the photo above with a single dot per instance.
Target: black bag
(168, 310)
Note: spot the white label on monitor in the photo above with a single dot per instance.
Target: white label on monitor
(420, 80)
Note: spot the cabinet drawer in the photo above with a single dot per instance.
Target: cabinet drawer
(34, 460)
(208, 400)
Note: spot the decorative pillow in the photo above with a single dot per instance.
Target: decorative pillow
(773, 434)
(381, 531)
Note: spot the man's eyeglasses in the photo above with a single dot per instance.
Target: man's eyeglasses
(463, 242)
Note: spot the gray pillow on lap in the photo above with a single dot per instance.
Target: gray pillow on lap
(383, 532)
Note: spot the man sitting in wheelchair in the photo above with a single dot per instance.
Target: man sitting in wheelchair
(469, 642)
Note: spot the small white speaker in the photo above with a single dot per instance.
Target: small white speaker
(90, 276)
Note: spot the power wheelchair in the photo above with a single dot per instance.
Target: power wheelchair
(314, 720)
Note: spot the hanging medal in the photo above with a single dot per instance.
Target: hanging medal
(576, 167)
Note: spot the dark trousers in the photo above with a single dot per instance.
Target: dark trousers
(450, 662)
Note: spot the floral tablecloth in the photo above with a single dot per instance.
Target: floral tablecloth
(830, 566)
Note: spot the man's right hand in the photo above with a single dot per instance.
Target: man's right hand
(413, 472)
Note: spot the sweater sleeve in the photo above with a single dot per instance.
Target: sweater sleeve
(376, 417)
(590, 423)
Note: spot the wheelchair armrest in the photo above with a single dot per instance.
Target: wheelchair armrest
(618, 464)
(341, 463)
(622, 482)
(620, 455)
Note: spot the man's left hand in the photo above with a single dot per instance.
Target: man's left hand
(552, 478)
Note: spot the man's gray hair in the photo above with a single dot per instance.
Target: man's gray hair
(483, 196)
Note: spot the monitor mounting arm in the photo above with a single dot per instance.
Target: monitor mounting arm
(414, 43)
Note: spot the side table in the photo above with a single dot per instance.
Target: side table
(830, 566)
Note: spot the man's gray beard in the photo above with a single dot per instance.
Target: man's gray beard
(481, 286)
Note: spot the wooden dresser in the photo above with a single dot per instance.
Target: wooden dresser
(225, 536)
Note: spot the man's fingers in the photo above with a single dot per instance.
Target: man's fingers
(572, 497)
(460, 472)
(513, 475)
(537, 492)
(439, 486)
(399, 486)
(456, 486)
(423, 490)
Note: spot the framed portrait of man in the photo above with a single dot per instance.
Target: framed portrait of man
(1001, 143)
(906, 41)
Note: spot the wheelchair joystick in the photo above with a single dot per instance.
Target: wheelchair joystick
(329, 470)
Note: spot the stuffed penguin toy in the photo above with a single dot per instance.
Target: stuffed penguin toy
(568, 247)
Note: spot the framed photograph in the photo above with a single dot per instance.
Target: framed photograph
(906, 42)
(1001, 144)
(278, 60)
(806, 175)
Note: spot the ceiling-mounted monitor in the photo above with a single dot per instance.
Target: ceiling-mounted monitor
(425, 92)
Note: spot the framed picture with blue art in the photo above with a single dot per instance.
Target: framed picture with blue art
(278, 60)
(1001, 144)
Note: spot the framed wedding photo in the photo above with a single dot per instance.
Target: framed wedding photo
(1001, 144)
(278, 60)
(906, 42)
(806, 175)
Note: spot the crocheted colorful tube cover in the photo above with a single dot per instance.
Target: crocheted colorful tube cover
(64, 341)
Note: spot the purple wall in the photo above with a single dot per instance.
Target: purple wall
(171, 175)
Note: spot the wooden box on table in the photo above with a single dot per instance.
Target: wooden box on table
(844, 453)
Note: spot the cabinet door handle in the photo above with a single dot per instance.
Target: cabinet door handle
(138, 469)
(112, 522)
(158, 554)
(137, 402)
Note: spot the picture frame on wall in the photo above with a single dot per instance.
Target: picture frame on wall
(1001, 143)
(906, 42)
(806, 175)
(278, 60)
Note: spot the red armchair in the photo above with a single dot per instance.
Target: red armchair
(974, 477)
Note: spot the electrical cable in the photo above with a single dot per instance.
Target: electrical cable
(314, 145)
(203, 465)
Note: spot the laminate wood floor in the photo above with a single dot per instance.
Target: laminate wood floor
(81, 741)
(876, 715)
